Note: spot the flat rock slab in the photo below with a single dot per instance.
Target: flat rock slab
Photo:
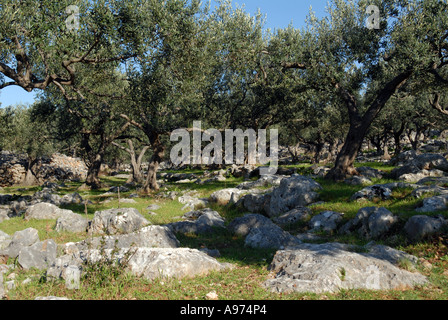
(319, 268)
(48, 211)
(39, 255)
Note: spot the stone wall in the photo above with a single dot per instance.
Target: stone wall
(58, 167)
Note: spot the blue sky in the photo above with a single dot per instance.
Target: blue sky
(279, 14)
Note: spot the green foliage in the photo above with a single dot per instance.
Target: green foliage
(109, 269)
(22, 132)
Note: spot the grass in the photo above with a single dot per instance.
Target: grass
(245, 280)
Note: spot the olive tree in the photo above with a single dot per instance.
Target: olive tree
(364, 67)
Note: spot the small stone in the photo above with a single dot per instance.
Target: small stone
(211, 296)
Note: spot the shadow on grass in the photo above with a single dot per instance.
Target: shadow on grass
(231, 247)
(205, 189)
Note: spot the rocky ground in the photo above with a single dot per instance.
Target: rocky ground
(305, 261)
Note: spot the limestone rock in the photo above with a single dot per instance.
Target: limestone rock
(438, 181)
(242, 226)
(114, 221)
(327, 221)
(419, 227)
(198, 222)
(372, 192)
(153, 263)
(147, 237)
(222, 197)
(42, 211)
(270, 236)
(263, 181)
(370, 223)
(72, 223)
(432, 204)
(292, 192)
(40, 255)
(19, 240)
(320, 268)
(5, 239)
(293, 216)
(192, 203)
(255, 203)
(4, 215)
(71, 198)
(431, 189)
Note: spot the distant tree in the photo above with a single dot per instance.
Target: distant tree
(79, 66)
(317, 122)
(167, 84)
(133, 146)
(24, 133)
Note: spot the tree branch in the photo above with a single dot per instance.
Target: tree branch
(293, 65)
(436, 105)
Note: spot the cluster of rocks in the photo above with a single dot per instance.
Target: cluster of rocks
(287, 194)
(287, 202)
(305, 267)
(413, 167)
(153, 251)
(272, 202)
(435, 197)
(15, 205)
(58, 167)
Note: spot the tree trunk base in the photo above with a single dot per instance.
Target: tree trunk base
(338, 174)
(30, 179)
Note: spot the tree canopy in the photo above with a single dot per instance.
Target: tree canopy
(134, 71)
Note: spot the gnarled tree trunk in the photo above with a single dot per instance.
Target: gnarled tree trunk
(93, 173)
(345, 160)
(137, 175)
(359, 125)
(30, 176)
(157, 157)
